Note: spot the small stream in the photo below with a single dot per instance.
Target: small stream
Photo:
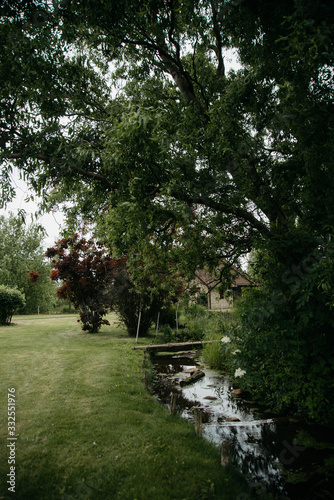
(262, 445)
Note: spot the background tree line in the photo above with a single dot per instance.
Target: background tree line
(23, 265)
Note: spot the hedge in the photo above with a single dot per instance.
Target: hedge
(10, 300)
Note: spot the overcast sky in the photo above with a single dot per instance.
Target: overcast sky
(51, 222)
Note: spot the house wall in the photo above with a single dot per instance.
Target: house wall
(216, 303)
(204, 283)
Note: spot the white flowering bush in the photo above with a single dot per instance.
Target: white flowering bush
(225, 340)
(239, 373)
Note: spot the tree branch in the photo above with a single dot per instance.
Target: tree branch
(17, 156)
(96, 176)
(219, 44)
(85, 173)
(173, 66)
(238, 212)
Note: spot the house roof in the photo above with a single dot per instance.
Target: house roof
(209, 280)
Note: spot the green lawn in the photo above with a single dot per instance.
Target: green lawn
(86, 427)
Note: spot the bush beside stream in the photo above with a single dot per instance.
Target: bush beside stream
(289, 372)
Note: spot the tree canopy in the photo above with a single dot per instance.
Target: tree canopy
(129, 110)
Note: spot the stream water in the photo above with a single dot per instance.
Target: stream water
(261, 444)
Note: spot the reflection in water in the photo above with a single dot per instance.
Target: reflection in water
(261, 444)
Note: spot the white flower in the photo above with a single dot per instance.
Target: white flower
(235, 352)
(239, 373)
(225, 340)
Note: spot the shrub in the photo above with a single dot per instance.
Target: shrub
(285, 328)
(196, 323)
(144, 297)
(129, 304)
(182, 335)
(201, 322)
(217, 356)
(168, 317)
(10, 300)
(287, 363)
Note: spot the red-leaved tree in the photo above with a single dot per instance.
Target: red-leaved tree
(86, 273)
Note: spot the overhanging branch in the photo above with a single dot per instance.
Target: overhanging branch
(219, 207)
(87, 174)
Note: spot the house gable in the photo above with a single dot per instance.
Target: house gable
(207, 283)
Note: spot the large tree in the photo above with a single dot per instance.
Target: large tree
(128, 110)
(182, 142)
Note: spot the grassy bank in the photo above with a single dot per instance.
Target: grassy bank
(86, 427)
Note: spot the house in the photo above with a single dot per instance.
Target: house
(207, 285)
